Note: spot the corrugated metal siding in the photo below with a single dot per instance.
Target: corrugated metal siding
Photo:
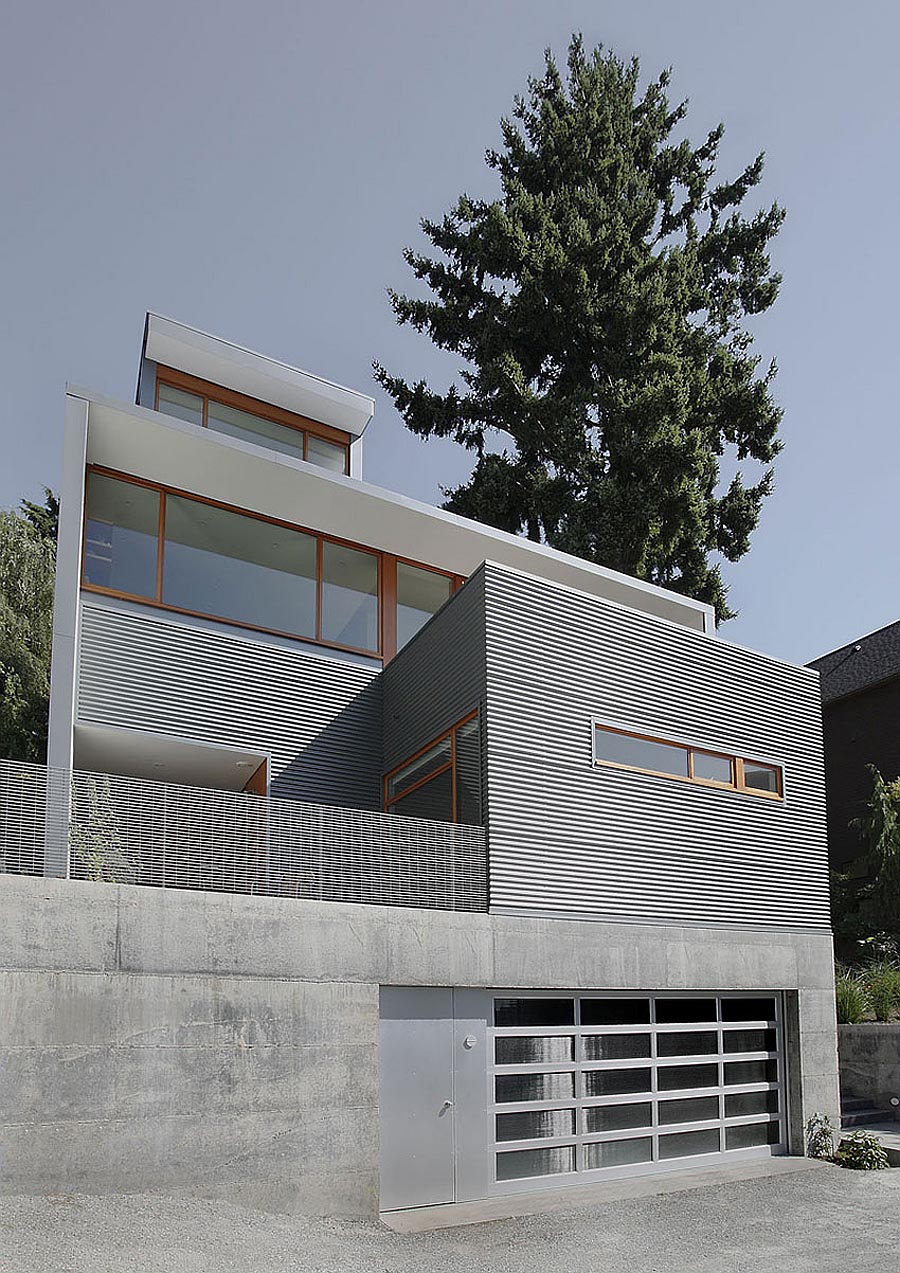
(320, 719)
(438, 677)
(566, 836)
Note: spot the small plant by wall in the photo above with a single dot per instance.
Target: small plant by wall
(95, 835)
(850, 996)
(881, 982)
(820, 1137)
(861, 1151)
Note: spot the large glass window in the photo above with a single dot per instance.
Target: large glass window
(122, 536)
(196, 402)
(420, 594)
(254, 428)
(640, 753)
(220, 563)
(443, 782)
(349, 596)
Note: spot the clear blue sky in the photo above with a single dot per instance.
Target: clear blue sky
(256, 168)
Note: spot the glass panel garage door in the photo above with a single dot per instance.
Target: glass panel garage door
(621, 1084)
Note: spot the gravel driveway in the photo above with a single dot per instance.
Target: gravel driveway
(817, 1221)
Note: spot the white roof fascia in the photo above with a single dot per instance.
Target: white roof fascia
(160, 448)
(210, 358)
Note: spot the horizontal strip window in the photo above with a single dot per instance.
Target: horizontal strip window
(443, 780)
(224, 411)
(622, 749)
(183, 553)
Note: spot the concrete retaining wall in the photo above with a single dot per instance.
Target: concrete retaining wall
(870, 1061)
(226, 1046)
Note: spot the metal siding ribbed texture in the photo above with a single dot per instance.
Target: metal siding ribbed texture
(438, 677)
(571, 837)
(318, 718)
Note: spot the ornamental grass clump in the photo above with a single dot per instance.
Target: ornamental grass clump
(881, 986)
(851, 996)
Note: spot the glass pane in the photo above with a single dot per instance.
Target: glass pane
(535, 1162)
(121, 536)
(615, 1047)
(674, 1011)
(751, 1072)
(419, 768)
(254, 428)
(746, 1135)
(468, 773)
(737, 1104)
(625, 749)
(533, 1124)
(420, 594)
(761, 777)
(615, 1011)
(694, 1109)
(534, 1087)
(326, 455)
(233, 567)
(433, 800)
(748, 1009)
(541, 1050)
(671, 1078)
(349, 597)
(687, 1043)
(616, 1082)
(749, 1040)
(683, 1144)
(616, 1118)
(528, 1012)
(711, 767)
(181, 405)
(616, 1153)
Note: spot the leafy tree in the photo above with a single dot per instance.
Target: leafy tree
(27, 570)
(599, 304)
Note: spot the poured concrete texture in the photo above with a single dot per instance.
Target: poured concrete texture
(226, 1046)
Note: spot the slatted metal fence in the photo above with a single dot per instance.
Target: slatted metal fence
(132, 831)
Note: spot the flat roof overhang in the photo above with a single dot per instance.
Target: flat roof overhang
(211, 358)
(148, 444)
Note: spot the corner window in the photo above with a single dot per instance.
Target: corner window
(442, 781)
(622, 749)
(121, 536)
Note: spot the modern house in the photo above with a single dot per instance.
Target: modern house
(516, 868)
(860, 710)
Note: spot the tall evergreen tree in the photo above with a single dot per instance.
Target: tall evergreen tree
(599, 304)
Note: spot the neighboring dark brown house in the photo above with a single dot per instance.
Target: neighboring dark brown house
(861, 711)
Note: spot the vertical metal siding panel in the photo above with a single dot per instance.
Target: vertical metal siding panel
(566, 836)
(438, 677)
(320, 719)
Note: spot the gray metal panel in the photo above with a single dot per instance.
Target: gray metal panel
(318, 718)
(438, 677)
(568, 837)
(415, 1055)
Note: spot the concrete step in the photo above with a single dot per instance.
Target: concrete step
(866, 1117)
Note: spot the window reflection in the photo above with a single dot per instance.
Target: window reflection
(420, 594)
(349, 596)
(121, 536)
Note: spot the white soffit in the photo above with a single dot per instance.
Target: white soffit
(198, 354)
(148, 444)
(138, 754)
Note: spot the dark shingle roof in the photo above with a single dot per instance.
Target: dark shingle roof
(859, 664)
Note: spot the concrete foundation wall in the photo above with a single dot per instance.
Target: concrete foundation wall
(226, 1046)
(870, 1061)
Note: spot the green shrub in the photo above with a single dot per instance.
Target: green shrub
(850, 996)
(881, 981)
(819, 1137)
(862, 1151)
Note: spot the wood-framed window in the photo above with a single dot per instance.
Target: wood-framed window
(196, 556)
(441, 781)
(223, 410)
(642, 753)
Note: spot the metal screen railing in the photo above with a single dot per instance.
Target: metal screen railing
(133, 831)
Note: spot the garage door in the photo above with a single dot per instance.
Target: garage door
(593, 1086)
